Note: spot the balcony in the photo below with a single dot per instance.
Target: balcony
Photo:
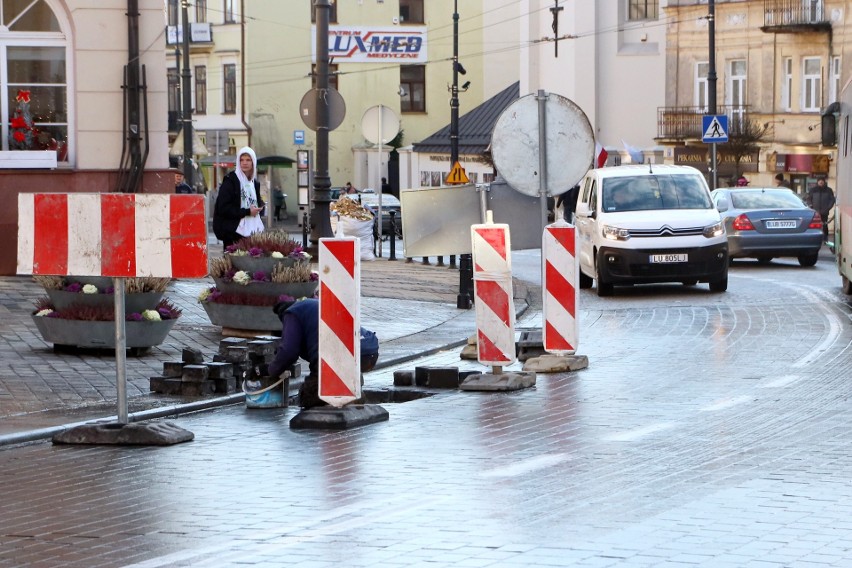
(794, 16)
(685, 123)
(200, 34)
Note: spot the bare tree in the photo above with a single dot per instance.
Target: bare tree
(744, 137)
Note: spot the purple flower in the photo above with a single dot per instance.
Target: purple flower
(135, 316)
(53, 314)
(260, 276)
(255, 251)
(165, 313)
(232, 248)
(286, 298)
(74, 287)
(296, 252)
(214, 295)
(314, 276)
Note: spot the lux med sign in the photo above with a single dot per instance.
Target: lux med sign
(375, 45)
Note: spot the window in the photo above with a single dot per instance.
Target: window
(787, 84)
(412, 79)
(701, 86)
(229, 14)
(332, 76)
(332, 13)
(737, 92)
(642, 9)
(174, 98)
(230, 89)
(811, 84)
(200, 89)
(411, 11)
(173, 13)
(33, 80)
(200, 11)
(834, 80)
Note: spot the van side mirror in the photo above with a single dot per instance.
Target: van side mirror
(722, 205)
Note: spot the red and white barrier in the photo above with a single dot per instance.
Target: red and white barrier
(112, 234)
(340, 320)
(492, 285)
(560, 290)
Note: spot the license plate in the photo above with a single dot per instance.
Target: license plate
(786, 224)
(669, 258)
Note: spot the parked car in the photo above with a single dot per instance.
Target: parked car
(769, 222)
(370, 200)
(649, 223)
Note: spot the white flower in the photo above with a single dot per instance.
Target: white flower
(151, 315)
(276, 254)
(202, 297)
(239, 252)
(305, 256)
(44, 312)
(242, 277)
(90, 289)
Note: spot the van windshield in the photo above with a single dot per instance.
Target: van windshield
(648, 192)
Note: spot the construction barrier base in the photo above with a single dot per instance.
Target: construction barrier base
(503, 382)
(556, 363)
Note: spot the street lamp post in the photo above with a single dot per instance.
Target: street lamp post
(186, 111)
(464, 298)
(321, 225)
(711, 88)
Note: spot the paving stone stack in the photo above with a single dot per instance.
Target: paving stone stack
(192, 376)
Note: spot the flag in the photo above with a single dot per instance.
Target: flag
(636, 155)
(600, 155)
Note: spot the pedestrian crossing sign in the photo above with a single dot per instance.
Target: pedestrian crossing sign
(714, 128)
(457, 175)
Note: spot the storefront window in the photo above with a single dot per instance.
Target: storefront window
(33, 80)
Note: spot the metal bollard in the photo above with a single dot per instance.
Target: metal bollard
(425, 260)
(452, 261)
(305, 230)
(392, 235)
(440, 261)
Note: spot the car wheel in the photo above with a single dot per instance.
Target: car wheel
(719, 285)
(585, 281)
(808, 259)
(689, 282)
(846, 285)
(604, 288)
(764, 259)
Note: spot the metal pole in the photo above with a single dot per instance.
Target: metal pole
(381, 143)
(464, 298)
(120, 350)
(711, 88)
(542, 155)
(322, 196)
(186, 111)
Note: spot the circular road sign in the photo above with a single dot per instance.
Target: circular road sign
(376, 117)
(569, 144)
(312, 99)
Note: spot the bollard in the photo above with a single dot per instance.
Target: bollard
(305, 230)
(440, 261)
(452, 262)
(392, 235)
(425, 260)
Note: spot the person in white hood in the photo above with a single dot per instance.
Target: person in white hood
(239, 207)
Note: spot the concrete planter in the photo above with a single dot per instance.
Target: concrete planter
(133, 303)
(271, 289)
(260, 318)
(265, 264)
(101, 334)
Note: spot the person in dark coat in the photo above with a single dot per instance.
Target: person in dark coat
(238, 197)
(181, 186)
(781, 182)
(300, 339)
(821, 199)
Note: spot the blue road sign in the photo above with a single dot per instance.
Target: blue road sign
(298, 137)
(714, 128)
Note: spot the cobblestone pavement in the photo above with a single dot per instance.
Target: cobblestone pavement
(709, 430)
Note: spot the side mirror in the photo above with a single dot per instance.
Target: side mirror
(722, 205)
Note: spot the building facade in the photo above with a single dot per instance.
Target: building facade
(70, 120)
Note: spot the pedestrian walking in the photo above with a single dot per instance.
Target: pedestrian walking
(781, 182)
(238, 209)
(821, 199)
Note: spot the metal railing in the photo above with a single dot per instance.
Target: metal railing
(787, 13)
(682, 123)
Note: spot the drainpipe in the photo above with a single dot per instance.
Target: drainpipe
(243, 71)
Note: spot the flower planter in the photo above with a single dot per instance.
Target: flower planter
(260, 318)
(272, 289)
(252, 264)
(133, 303)
(101, 334)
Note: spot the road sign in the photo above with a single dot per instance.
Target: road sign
(298, 137)
(715, 128)
(331, 98)
(457, 175)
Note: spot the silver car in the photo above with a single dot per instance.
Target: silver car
(769, 222)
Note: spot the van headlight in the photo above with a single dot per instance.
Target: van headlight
(615, 233)
(714, 230)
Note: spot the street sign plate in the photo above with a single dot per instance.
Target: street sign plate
(457, 175)
(714, 128)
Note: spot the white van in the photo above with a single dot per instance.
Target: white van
(649, 223)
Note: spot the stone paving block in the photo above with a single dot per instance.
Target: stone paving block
(295, 370)
(237, 354)
(173, 368)
(197, 388)
(194, 373)
(220, 370)
(443, 377)
(166, 385)
(192, 356)
(224, 385)
(261, 347)
(228, 342)
(403, 378)
(421, 376)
